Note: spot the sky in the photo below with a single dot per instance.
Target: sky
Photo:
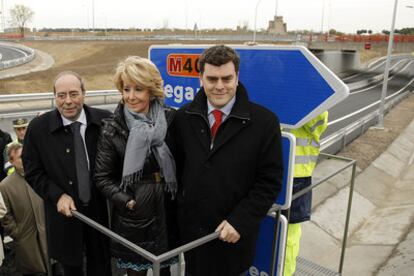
(342, 15)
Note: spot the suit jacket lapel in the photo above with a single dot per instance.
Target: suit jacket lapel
(201, 130)
(228, 130)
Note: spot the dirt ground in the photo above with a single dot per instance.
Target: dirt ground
(95, 61)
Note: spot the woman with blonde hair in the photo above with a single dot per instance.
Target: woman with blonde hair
(135, 169)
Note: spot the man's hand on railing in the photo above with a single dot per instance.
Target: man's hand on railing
(66, 205)
(227, 232)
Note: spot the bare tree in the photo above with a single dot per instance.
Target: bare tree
(20, 15)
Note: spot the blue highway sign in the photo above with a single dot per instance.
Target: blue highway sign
(264, 247)
(288, 149)
(289, 80)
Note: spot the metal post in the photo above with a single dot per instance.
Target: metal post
(255, 21)
(93, 16)
(275, 11)
(323, 16)
(186, 16)
(2, 18)
(348, 216)
(49, 268)
(275, 244)
(344, 138)
(156, 268)
(387, 68)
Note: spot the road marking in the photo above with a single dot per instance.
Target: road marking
(380, 83)
(371, 105)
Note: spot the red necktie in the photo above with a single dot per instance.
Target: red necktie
(217, 122)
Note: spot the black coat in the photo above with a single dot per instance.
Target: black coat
(4, 140)
(236, 180)
(146, 224)
(50, 169)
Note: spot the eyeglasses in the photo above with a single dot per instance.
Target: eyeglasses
(63, 95)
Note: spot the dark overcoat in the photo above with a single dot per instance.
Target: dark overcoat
(49, 163)
(237, 178)
(5, 138)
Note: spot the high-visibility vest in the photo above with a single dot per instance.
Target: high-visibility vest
(307, 144)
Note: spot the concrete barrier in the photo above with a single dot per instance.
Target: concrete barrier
(18, 61)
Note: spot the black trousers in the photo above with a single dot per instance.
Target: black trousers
(96, 251)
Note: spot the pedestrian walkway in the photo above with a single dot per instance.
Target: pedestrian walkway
(381, 230)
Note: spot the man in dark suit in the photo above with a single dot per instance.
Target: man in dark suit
(59, 158)
(229, 167)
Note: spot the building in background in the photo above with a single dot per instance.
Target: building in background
(277, 26)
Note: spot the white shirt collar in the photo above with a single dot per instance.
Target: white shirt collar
(225, 109)
(81, 119)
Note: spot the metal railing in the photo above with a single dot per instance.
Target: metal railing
(29, 104)
(156, 260)
(50, 96)
(350, 162)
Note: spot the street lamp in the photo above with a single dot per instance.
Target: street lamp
(323, 16)
(276, 9)
(93, 16)
(387, 69)
(2, 17)
(255, 21)
(186, 16)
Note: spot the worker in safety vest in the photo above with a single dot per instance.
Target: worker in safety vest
(307, 153)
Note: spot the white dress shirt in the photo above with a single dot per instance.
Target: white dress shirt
(225, 110)
(82, 120)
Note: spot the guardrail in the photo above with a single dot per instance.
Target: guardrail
(18, 61)
(30, 104)
(50, 96)
(400, 65)
(360, 126)
(45, 101)
(199, 35)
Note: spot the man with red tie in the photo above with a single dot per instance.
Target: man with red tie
(229, 167)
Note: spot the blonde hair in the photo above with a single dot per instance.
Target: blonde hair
(140, 71)
(11, 148)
